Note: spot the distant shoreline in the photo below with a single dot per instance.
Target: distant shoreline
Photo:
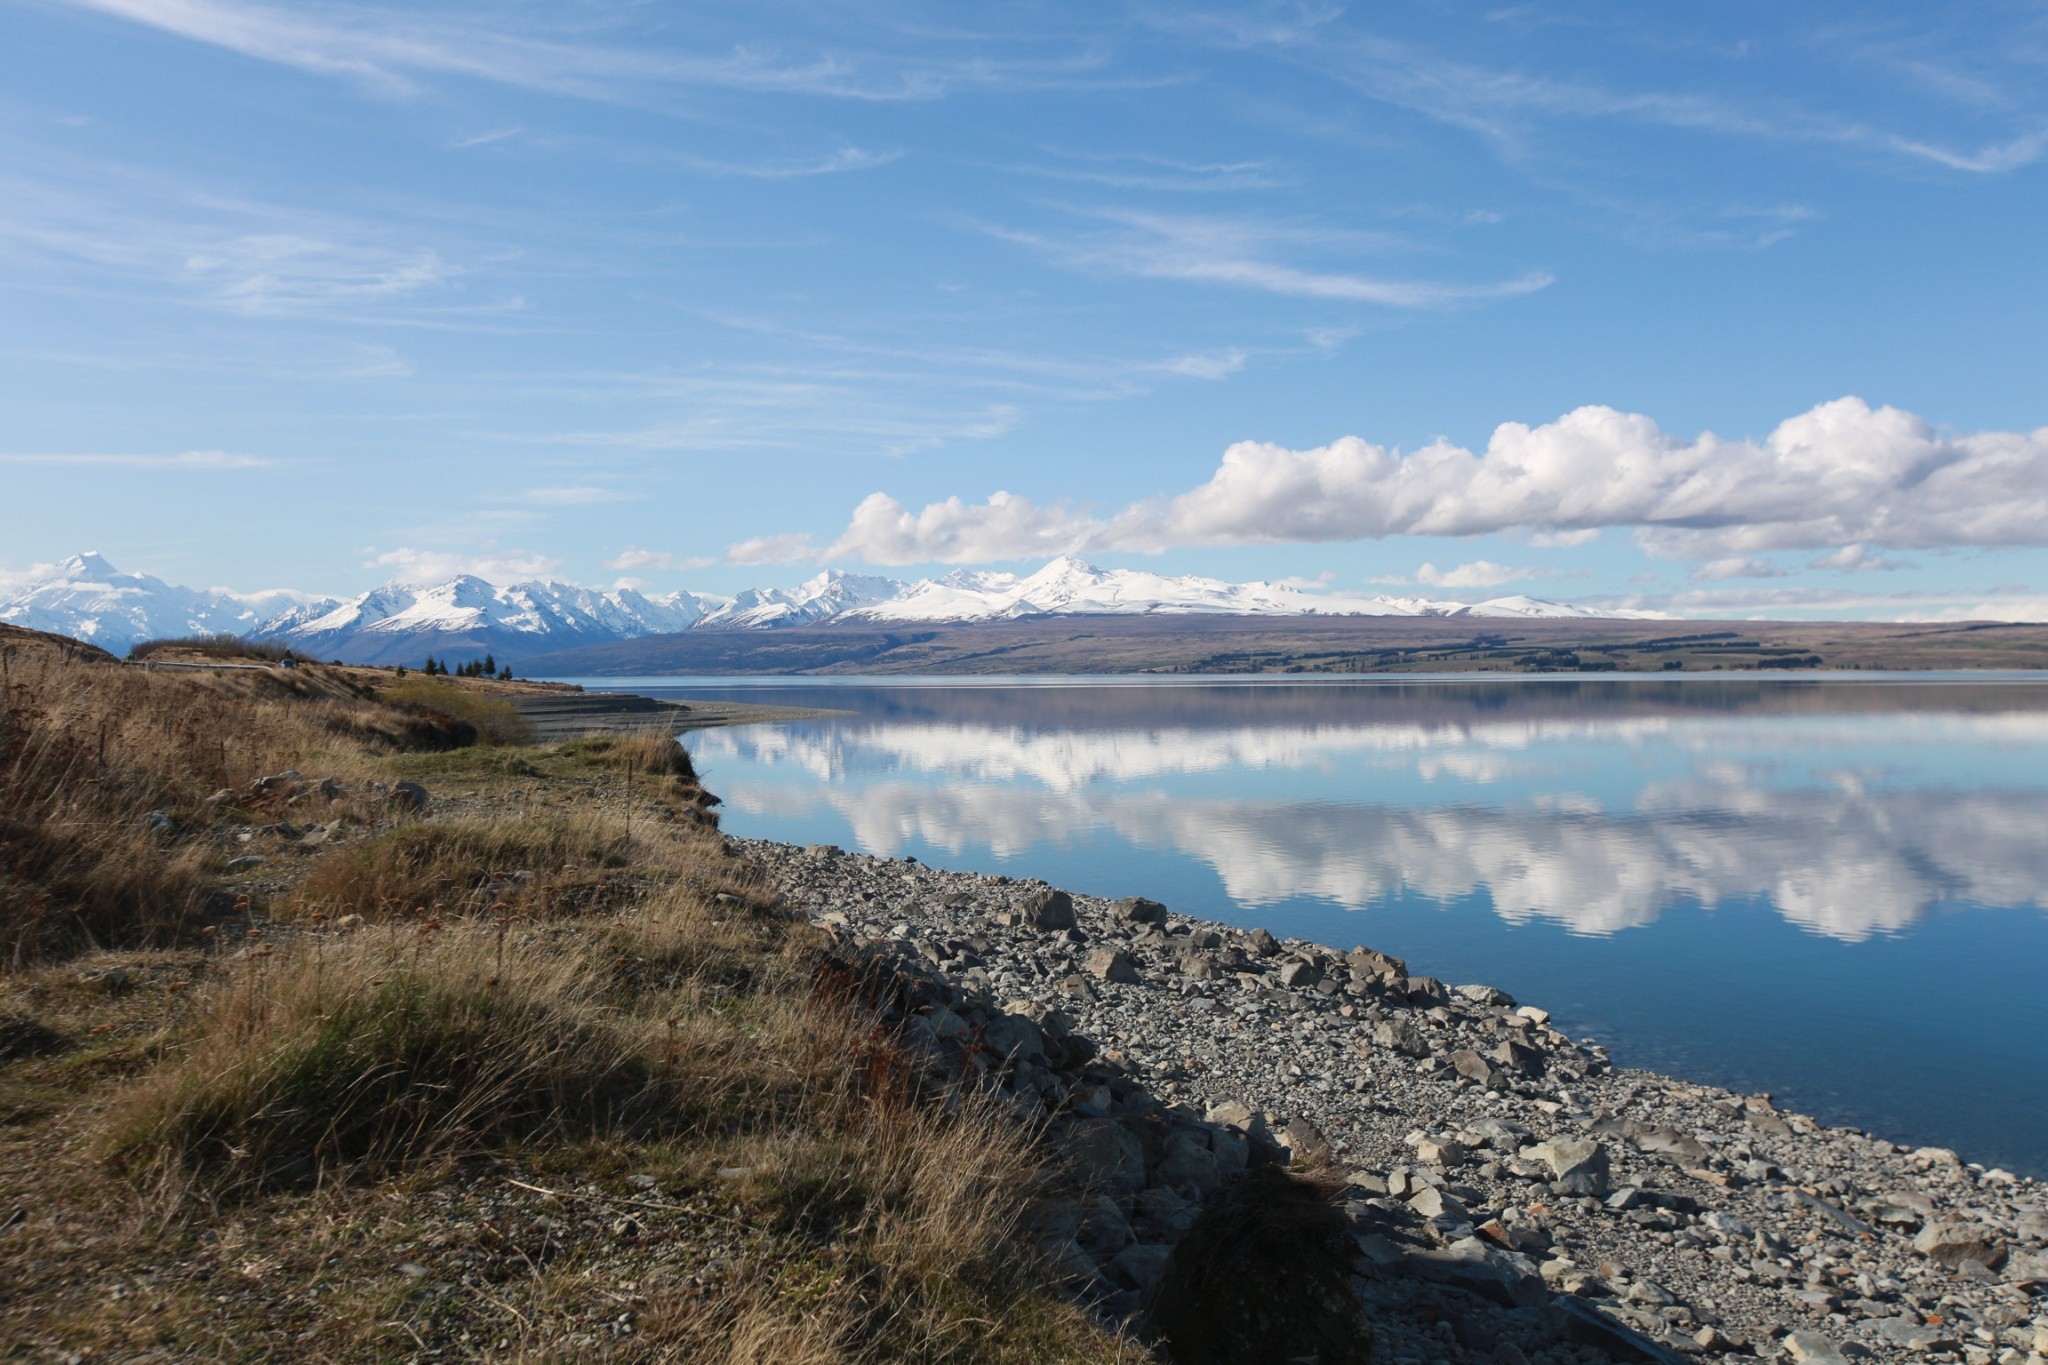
(1308, 646)
(556, 717)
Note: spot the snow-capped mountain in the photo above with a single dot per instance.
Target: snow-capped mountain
(833, 593)
(402, 623)
(1067, 586)
(87, 598)
(467, 617)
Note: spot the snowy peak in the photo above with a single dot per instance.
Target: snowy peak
(87, 597)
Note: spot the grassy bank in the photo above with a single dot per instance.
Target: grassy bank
(294, 1066)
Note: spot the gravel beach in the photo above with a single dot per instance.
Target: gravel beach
(1513, 1196)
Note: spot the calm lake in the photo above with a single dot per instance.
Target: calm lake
(1832, 889)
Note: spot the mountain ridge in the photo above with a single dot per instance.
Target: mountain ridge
(399, 622)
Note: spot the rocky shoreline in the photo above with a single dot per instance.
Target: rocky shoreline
(1513, 1197)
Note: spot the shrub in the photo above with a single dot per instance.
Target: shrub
(1263, 1275)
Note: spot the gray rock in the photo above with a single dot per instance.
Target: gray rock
(1103, 1230)
(1471, 1065)
(1426, 991)
(1138, 910)
(1299, 975)
(247, 861)
(1049, 910)
(1140, 1266)
(1304, 1142)
(1106, 1155)
(2028, 1270)
(1518, 1057)
(1579, 1164)
(1804, 1347)
(1504, 1137)
(1110, 964)
(1401, 1036)
(1473, 1264)
(1013, 1038)
(1188, 1164)
(1909, 1335)
(160, 823)
(1484, 995)
(409, 797)
(1067, 1262)
(1262, 944)
(1950, 1243)
(1432, 1202)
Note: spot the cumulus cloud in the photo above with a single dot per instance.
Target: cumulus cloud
(435, 566)
(1842, 474)
(784, 549)
(1480, 573)
(883, 531)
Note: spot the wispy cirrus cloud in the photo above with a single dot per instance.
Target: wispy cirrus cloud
(1510, 106)
(573, 495)
(201, 460)
(1248, 254)
(390, 50)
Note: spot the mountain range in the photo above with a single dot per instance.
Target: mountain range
(88, 598)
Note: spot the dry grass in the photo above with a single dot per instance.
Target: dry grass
(91, 750)
(415, 1136)
(496, 720)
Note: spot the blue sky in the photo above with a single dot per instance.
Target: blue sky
(711, 295)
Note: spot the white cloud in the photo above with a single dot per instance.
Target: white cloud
(1480, 573)
(783, 549)
(435, 566)
(190, 459)
(387, 49)
(1736, 566)
(883, 531)
(845, 159)
(631, 558)
(1859, 559)
(1993, 609)
(582, 495)
(1841, 474)
(1247, 255)
(1564, 540)
(1204, 364)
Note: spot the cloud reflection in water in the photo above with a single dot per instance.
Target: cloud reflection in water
(1710, 809)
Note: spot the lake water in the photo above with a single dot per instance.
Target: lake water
(1835, 890)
